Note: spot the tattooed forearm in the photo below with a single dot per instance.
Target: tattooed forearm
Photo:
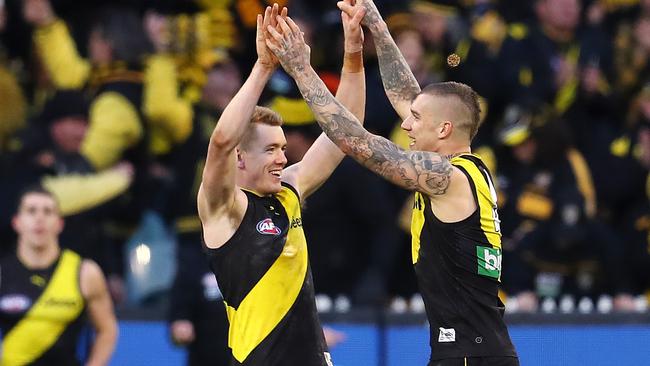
(314, 95)
(398, 79)
(372, 17)
(426, 172)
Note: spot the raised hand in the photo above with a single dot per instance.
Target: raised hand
(38, 12)
(352, 27)
(371, 16)
(288, 44)
(264, 55)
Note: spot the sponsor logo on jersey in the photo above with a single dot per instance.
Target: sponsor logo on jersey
(267, 227)
(296, 222)
(489, 261)
(15, 303)
(53, 301)
(447, 335)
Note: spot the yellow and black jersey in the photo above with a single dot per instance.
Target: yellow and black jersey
(458, 267)
(41, 312)
(264, 274)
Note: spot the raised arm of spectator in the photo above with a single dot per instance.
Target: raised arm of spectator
(399, 82)
(55, 46)
(324, 156)
(163, 105)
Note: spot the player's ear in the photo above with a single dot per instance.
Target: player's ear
(445, 129)
(240, 159)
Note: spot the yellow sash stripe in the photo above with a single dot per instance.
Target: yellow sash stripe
(44, 322)
(485, 202)
(275, 293)
(417, 223)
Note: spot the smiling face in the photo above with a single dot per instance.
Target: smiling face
(38, 221)
(262, 159)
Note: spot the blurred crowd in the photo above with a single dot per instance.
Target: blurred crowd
(110, 104)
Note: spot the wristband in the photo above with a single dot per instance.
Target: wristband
(353, 61)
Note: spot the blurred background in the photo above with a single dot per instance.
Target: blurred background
(110, 104)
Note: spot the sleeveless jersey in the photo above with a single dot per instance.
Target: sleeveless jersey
(458, 267)
(40, 312)
(264, 275)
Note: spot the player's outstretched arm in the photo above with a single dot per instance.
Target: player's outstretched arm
(426, 172)
(324, 156)
(218, 189)
(399, 82)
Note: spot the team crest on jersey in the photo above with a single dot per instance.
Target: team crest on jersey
(267, 227)
(15, 303)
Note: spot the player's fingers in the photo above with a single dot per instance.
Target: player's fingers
(277, 36)
(273, 45)
(349, 9)
(358, 16)
(274, 14)
(345, 18)
(284, 12)
(294, 27)
(267, 17)
(260, 27)
(285, 27)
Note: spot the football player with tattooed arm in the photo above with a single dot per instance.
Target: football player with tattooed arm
(249, 207)
(456, 243)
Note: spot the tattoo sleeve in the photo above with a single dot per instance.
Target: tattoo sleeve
(399, 82)
(422, 171)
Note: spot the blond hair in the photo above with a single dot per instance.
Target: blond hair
(261, 115)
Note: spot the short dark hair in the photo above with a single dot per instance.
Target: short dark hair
(261, 115)
(34, 189)
(467, 96)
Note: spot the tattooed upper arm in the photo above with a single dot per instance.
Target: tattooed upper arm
(422, 171)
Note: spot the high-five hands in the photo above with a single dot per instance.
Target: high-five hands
(351, 20)
(371, 15)
(270, 19)
(286, 41)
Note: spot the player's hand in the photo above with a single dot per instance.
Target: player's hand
(371, 16)
(38, 12)
(352, 26)
(333, 337)
(182, 332)
(264, 55)
(3, 18)
(288, 44)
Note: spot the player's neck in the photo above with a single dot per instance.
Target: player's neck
(454, 151)
(35, 257)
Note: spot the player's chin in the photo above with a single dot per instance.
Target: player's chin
(275, 186)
